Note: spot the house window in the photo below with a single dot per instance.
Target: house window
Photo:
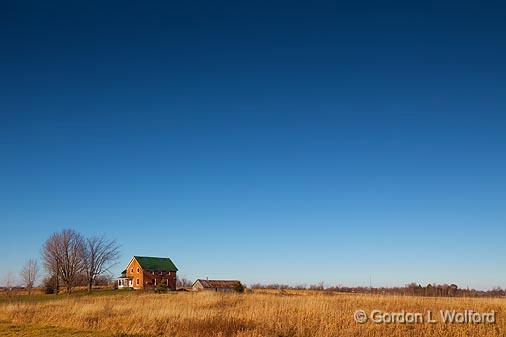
(137, 281)
(137, 270)
(155, 281)
(132, 270)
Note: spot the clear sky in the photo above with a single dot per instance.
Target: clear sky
(264, 141)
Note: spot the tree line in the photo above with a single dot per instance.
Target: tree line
(412, 289)
(70, 259)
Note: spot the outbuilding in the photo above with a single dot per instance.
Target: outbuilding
(224, 286)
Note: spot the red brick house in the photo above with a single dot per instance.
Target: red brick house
(146, 272)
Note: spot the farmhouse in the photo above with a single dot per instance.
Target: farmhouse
(145, 272)
(216, 285)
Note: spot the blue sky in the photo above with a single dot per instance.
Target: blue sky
(269, 142)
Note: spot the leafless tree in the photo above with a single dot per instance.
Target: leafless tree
(9, 284)
(104, 280)
(62, 254)
(183, 282)
(51, 259)
(99, 255)
(29, 274)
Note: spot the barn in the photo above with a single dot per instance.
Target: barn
(224, 286)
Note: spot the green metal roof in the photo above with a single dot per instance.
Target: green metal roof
(156, 263)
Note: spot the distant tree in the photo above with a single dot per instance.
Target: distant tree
(104, 280)
(429, 290)
(183, 282)
(29, 274)
(9, 283)
(453, 290)
(62, 254)
(99, 255)
(318, 286)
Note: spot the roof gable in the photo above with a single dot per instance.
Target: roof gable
(156, 263)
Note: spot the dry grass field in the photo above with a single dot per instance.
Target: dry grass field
(266, 313)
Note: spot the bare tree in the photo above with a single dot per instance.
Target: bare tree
(99, 255)
(51, 260)
(9, 284)
(29, 274)
(183, 282)
(62, 254)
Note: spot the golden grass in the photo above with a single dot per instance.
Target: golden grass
(294, 314)
(13, 330)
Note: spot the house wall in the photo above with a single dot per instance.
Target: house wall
(224, 290)
(169, 278)
(135, 271)
(197, 286)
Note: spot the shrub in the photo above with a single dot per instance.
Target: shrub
(49, 285)
(161, 287)
(239, 288)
